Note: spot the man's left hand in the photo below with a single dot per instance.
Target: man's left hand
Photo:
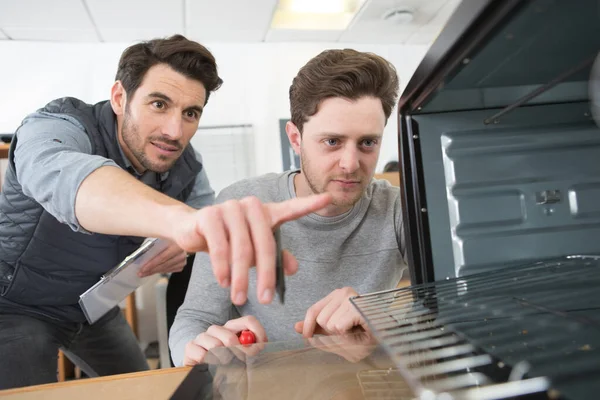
(171, 259)
(353, 347)
(332, 315)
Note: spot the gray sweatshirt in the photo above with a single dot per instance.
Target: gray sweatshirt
(362, 249)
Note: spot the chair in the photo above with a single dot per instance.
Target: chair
(67, 370)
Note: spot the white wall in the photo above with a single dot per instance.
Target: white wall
(257, 78)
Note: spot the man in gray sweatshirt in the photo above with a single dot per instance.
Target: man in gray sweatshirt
(340, 102)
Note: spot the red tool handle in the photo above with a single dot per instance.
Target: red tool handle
(247, 337)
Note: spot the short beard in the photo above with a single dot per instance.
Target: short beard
(135, 144)
(305, 163)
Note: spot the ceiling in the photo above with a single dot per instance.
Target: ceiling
(208, 21)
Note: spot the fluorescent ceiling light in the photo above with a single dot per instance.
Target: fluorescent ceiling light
(316, 6)
(315, 14)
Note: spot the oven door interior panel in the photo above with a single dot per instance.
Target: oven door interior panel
(523, 189)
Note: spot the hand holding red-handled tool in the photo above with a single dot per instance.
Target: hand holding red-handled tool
(245, 330)
(246, 337)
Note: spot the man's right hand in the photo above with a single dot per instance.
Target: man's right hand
(240, 234)
(237, 234)
(222, 336)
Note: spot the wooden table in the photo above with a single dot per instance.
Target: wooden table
(155, 384)
(161, 384)
(322, 368)
(4, 149)
(392, 177)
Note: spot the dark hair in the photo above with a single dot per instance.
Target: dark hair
(184, 56)
(391, 166)
(342, 73)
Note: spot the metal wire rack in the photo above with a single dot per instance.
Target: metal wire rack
(530, 331)
(383, 384)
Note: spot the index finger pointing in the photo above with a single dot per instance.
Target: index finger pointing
(295, 208)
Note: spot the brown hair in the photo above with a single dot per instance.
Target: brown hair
(184, 56)
(342, 73)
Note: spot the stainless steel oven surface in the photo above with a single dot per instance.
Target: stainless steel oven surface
(500, 181)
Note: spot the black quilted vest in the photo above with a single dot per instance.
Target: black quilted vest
(44, 265)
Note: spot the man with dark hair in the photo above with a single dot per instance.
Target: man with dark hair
(340, 102)
(87, 183)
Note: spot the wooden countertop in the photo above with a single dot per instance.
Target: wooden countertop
(155, 384)
(273, 367)
(4, 150)
(321, 368)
